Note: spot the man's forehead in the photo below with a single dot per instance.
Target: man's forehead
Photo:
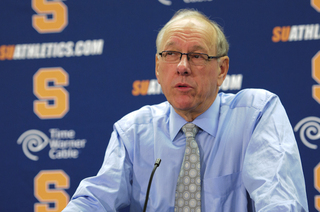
(192, 47)
(184, 29)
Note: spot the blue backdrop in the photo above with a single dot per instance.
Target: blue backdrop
(70, 69)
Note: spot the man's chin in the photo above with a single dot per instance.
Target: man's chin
(183, 107)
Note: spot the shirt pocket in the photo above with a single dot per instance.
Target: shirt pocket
(218, 187)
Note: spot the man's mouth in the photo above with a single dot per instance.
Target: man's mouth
(183, 86)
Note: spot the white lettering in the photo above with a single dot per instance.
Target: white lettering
(32, 51)
(43, 50)
(63, 154)
(236, 82)
(49, 50)
(63, 144)
(301, 30)
(20, 51)
(63, 49)
(58, 49)
(308, 34)
(304, 32)
(88, 47)
(60, 134)
(293, 33)
(316, 32)
(69, 49)
(154, 87)
(97, 47)
(232, 82)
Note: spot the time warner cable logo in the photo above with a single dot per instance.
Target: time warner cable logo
(62, 143)
(309, 130)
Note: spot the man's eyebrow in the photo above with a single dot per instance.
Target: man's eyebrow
(171, 43)
(193, 48)
(198, 47)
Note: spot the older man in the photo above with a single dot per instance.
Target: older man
(220, 152)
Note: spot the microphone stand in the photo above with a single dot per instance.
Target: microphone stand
(156, 164)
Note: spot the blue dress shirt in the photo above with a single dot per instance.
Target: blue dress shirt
(247, 148)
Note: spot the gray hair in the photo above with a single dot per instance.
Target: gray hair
(222, 46)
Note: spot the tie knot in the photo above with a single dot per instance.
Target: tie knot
(190, 130)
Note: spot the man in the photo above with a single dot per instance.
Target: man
(246, 146)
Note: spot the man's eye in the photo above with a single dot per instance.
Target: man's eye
(196, 56)
(170, 53)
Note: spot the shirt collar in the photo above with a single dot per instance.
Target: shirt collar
(207, 121)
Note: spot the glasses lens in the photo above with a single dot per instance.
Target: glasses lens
(198, 58)
(171, 56)
(194, 58)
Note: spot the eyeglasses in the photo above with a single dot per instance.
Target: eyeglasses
(194, 58)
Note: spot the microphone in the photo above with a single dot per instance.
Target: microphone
(156, 164)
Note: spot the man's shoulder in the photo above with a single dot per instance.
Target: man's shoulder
(255, 98)
(145, 115)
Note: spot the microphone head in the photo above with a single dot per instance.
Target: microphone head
(158, 161)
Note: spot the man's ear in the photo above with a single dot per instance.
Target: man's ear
(223, 68)
(157, 68)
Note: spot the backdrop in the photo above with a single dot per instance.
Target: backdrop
(70, 69)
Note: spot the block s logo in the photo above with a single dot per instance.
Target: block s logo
(316, 5)
(52, 16)
(49, 187)
(316, 77)
(48, 87)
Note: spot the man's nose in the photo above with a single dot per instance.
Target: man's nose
(183, 67)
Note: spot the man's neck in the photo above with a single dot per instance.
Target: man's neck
(192, 114)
